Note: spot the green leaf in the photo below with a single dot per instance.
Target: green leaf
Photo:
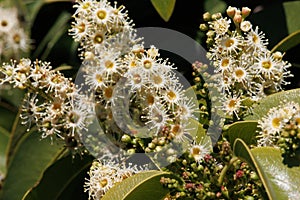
(57, 30)
(32, 156)
(288, 42)
(4, 136)
(13, 96)
(214, 6)
(144, 185)
(279, 181)
(291, 9)
(246, 130)
(273, 100)
(164, 8)
(62, 180)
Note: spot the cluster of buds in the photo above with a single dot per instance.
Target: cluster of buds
(245, 70)
(205, 179)
(281, 128)
(52, 101)
(13, 39)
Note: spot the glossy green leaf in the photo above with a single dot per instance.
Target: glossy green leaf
(164, 8)
(245, 130)
(31, 158)
(13, 96)
(288, 42)
(144, 185)
(4, 136)
(273, 100)
(7, 115)
(284, 181)
(62, 180)
(215, 6)
(291, 9)
(280, 181)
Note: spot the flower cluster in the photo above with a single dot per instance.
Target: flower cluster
(13, 39)
(52, 103)
(141, 104)
(105, 174)
(281, 128)
(245, 69)
(121, 74)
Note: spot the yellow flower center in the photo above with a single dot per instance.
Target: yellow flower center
(239, 73)
(137, 78)
(81, 28)
(255, 39)
(101, 14)
(108, 64)
(4, 23)
(99, 78)
(108, 92)
(266, 64)
(147, 64)
(98, 39)
(171, 95)
(103, 182)
(229, 42)
(157, 79)
(175, 129)
(196, 151)
(17, 38)
(276, 122)
(232, 103)
(225, 62)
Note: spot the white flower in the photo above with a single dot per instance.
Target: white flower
(220, 26)
(199, 150)
(246, 26)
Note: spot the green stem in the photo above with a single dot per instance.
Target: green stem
(225, 169)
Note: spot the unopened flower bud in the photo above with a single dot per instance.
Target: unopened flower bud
(206, 16)
(216, 16)
(231, 11)
(237, 18)
(203, 27)
(245, 12)
(278, 55)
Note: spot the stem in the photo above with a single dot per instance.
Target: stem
(224, 170)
